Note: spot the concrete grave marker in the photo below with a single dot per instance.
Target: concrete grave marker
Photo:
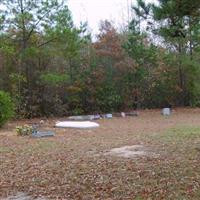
(166, 111)
(77, 124)
(84, 117)
(38, 134)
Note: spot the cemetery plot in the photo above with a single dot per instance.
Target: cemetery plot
(105, 162)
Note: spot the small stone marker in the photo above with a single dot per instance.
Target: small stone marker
(109, 116)
(166, 111)
(123, 114)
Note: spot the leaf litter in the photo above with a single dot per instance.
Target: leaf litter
(66, 166)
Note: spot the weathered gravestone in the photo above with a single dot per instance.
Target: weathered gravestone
(166, 111)
(107, 116)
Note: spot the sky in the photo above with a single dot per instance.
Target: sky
(93, 11)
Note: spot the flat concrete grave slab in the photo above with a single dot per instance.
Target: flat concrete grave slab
(77, 124)
(132, 114)
(84, 117)
(131, 152)
(22, 196)
(39, 134)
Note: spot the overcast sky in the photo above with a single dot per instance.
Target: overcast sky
(93, 11)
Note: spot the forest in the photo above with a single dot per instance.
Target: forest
(50, 67)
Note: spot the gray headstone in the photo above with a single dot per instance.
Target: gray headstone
(166, 111)
(107, 116)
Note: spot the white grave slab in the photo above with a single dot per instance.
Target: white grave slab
(77, 124)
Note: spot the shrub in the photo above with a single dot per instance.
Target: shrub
(108, 100)
(6, 108)
(74, 100)
(24, 130)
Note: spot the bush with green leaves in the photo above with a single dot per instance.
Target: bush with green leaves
(107, 99)
(6, 108)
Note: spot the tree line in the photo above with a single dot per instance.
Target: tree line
(51, 67)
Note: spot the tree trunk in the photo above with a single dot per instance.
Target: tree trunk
(181, 78)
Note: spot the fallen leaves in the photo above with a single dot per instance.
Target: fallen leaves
(74, 166)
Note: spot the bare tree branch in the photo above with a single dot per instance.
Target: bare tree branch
(47, 42)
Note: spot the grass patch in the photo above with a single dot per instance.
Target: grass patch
(5, 150)
(182, 133)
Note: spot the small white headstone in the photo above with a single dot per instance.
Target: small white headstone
(123, 114)
(166, 111)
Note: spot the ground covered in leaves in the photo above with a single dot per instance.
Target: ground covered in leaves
(75, 164)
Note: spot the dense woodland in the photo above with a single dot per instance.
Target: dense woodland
(50, 67)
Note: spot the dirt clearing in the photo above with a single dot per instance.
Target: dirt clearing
(131, 152)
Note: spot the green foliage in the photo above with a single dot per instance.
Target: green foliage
(6, 108)
(15, 78)
(51, 67)
(74, 100)
(24, 130)
(54, 79)
(107, 99)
